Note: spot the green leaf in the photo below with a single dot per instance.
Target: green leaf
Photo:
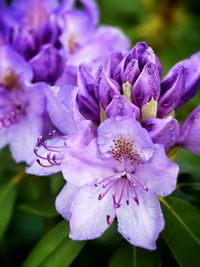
(55, 249)
(44, 207)
(182, 231)
(7, 200)
(127, 255)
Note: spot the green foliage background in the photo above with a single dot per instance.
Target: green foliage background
(27, 212)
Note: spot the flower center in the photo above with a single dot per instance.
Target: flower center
(123, 148)
(10, 80)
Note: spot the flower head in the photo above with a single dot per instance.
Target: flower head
(21, 105)
(119, 126)
(120, 177)
(51, 35)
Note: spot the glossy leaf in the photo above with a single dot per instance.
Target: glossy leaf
(127, 255)
(7, 200)
(44, 207)
(182, 231)
(55, 249)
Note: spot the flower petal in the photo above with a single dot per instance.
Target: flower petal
(60, 114)
(89, 215)
(146, 86)
(84, 165)
(140, 224)
(120, 106)
(64, 200)
(189, 132)
(172, 90)
(159, 174)
(38, 168)
(105, 88)
(191, 76)
(127, 128)
(162, 131)
(145, 54)
(47, 65)
(12, 63)
(113, 62)
(22, 138)
(107, 39)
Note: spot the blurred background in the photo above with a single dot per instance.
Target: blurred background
(172, 28)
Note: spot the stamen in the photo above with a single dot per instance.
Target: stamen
(138, 182)
(109, 219)
(117, 204)
(43, 165)
(50, 148)
(135, 197)
(51, 156)
(127, 193)
(102, 195)
(105, 179)
(123, 148)
(37, 154)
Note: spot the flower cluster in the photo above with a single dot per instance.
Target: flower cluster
(75, 100)
(119, 129)
(42, 44)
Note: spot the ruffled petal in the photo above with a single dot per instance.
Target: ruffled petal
(127, 128)
(60, 114)
(64, 200)
(162, 131)
(191, 76)
(140, 224)
(159, 174)
(189, 132)
(22, 138)
(107, 39)
(13, 64)
(89, 214)
(85, 165)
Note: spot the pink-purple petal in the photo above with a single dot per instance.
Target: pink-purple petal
(120, 106)
(64, 200)
(159, 174)
(89, 214)
(162, 131)
(129, 128)
(140, 224)
(80, 168)
(189, 132)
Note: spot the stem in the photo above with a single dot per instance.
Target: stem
(17, 178)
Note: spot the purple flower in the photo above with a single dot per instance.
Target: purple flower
(163, 131)
(181, 82)
(21, 105)
(53, 34)
(120, 177)
(47, 65)
(132, 83)
(49, 153)
(26, 25)
(83, 40)
(189, 132)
